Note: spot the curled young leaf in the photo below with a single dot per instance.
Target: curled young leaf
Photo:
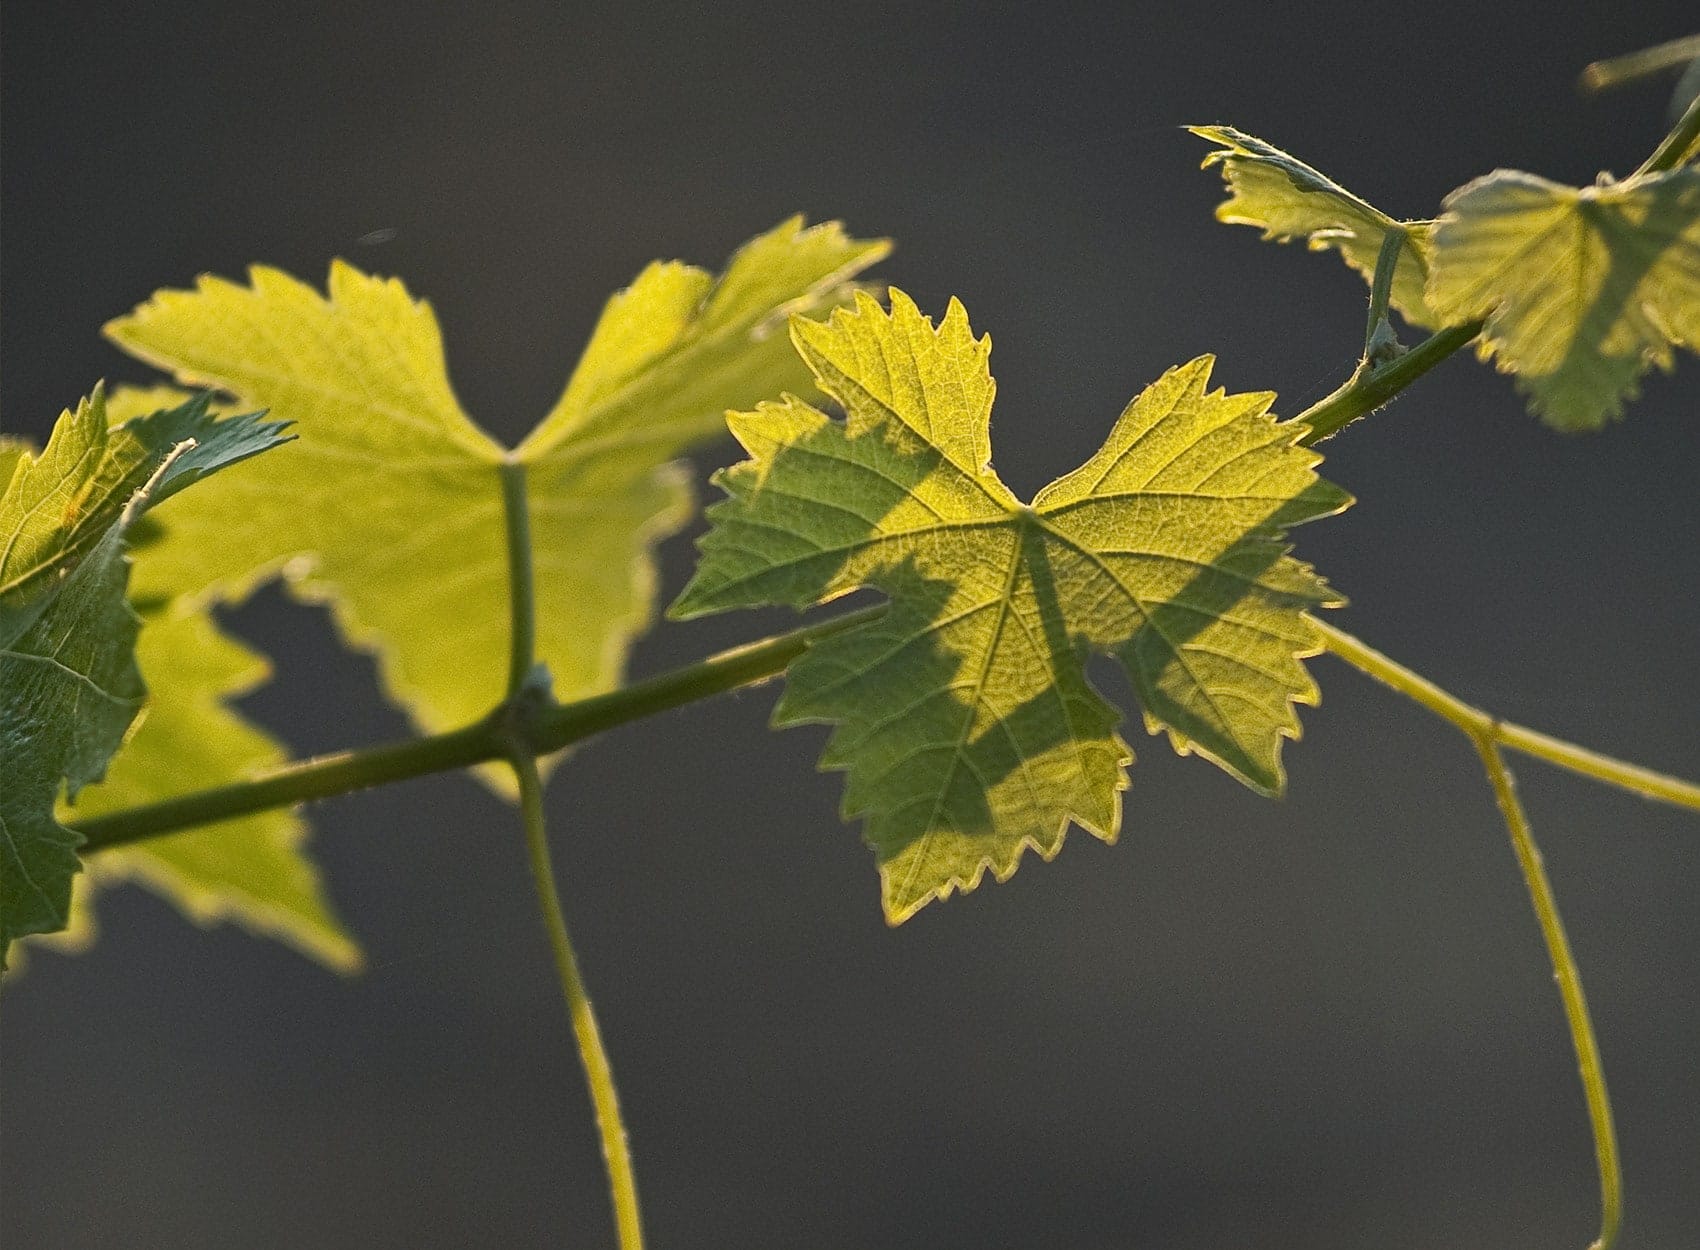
(1288, 200)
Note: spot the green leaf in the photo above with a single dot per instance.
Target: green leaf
(69, 686)
(963, 714)
(1582, 287)
(59, 506)
(1288, 200)
(390, 505)
(252, 870)
(12, 450)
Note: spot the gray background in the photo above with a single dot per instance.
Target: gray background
(1321, 1022)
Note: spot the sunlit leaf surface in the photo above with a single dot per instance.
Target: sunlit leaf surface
(1583, 288)
(1288, 200)
(390, 505)
(963, 715)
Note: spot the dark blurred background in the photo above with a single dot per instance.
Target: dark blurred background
(1321, 1022)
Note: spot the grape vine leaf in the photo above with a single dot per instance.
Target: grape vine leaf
(12, 450)
(59, 505)
(251, 870)
(1582, 288)
(390, 506)
(1287, 200)
(69, 685)
(964, 716)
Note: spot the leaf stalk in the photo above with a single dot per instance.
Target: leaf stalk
(1682, 143)
(522, 594)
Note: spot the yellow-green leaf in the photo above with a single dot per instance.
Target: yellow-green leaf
(964, 717)
(1582, 288)
(252, 870)
(390, 505)
(1288, 200)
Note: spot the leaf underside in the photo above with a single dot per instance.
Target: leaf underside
(389, 506)
(963, 715)
(1583, 288)
(1288, 200)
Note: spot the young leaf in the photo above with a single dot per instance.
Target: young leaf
(390, 505)
(1287, 200)
(69, 687)
(252, 870)
(1582, 287)
(964, 717)
(58, 506)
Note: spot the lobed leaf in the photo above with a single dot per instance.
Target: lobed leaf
(963, 714)
(252, 870)
(390, 505)
(69, 686)
(1288, 200)
(1582, 288)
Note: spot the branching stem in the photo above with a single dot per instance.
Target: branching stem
(1569, 980)
(548, 728)
(1370, 387)
(1489, 735)
(1483, 727)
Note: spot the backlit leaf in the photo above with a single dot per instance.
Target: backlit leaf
(390, 505)
(1583, 288)
(963, 714)
(251, 870)
(1287, 200)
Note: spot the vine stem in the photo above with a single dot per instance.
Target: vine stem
(598, 1074)
(524, 694)
(551, 728)
(1489, 734)
(1569, 980)
(1370, 387)
(522, 594)
(1481, 726)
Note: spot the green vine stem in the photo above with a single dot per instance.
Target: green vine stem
(522, 594)
(1631, 66)
(1569, 980)
(523, 694)
(561, 725)
(1370, 387)
(1480, 726)
(1381, 287)
(546, 728)
(513, 735)
(598, 1074)
(1489, 734)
